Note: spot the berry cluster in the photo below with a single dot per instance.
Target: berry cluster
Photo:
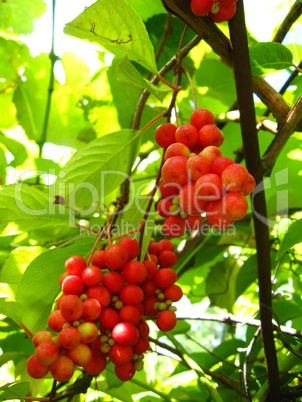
(101, 313)
(217, 10)
(197, 179)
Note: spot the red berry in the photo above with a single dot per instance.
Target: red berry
(131, 245)
(69, 337)
(71, 307)
(96, 365)
(154, 248)
(149, 287)
(166, 244)
(131, 294)
(210, 135)
(80, 355)
(143, 328)
(88, 332)
(72, 285)
(187, 135)
(189, 201)
(40, 337)
(174, 227)
(250, 186)
(220, 164)
(193, 222)
(211, 153)
(174, 170)
(92, 276)
(163, 207)
(100, 293)
(130, 313)
(62, 370)
(201, 7)
(113, 281)
(56, 321)
(36, 369)
(235, 177)
(165, 135)
(225, 13)
(216, 217)
(149, 306)
(125, 333)
(120, 354)
(142, 346)
(126, 372)
(116, 257)
(151, 269)
(165, 277)
(197, 166)
(235, 205)
(98, 259)
(134, 272)
(177, 149)
(166, 320)
(92, 310)
(168, 190)
(109, 317)
(47, 353)
(167, 259)
(201, 117)
(173, 293)
(209, 187)
(75, 265)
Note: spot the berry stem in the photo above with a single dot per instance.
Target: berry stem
(95, 244)
(180, 43)
(167, 83)
(108, 226)
(152, 194)
(27, 331)
(141, 225)
(53, 391)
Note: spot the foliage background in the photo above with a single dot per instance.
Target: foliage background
(90, 117)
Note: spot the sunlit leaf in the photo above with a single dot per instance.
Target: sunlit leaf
(292, 237)
(15, 390)
(116, 27)
(266, 56)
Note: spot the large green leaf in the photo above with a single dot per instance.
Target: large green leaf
(16, 390)
(147, 8)
(126, 72)
(266, 56)
(16, 16)
(292, 237)
(117, 27)
(39, 284)
(98, 169)
(25, 208)
(17, 149)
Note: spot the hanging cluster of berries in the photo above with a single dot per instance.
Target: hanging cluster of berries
(217, 10)
(101, 315)
(197, 179)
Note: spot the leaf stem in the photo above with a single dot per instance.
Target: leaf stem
(95, 244)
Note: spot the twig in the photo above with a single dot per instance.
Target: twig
(243, 81)
(95, 244)
(248, 352)
(293, 118)
(292, 16)
(53, 391)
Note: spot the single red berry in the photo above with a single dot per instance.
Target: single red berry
(125, 333)
(109, 317)
(40, 337)
(154, 248)
(235, 177)
(187, 135)
(151, 269)
(165, 135)
(201, 117)
(120, 354)
(197, 166)
(100, 293)
(126, 372)
(167, 259)
(92, 310)
(189, 200)
(75, 265)
(216, 217)
(209, 187)
(211, 153)
(134, 272)
(131, 245)
(149, 287)
(142, 346)
(69, 337)
(62, 370)
(177, 149)
(165, 277)
(174, 170)
(72, 285)
(193, 222)
(98, 259)
(71, 307)
(56, 320)
(92, 276)
(220, 164)
(166, 320)
(210, 135)
(166, 245)
(47, 353)
(250, 186)
(225, 13)
(96, 365)
(131, 294)
(129, 313)
(113, 281)
(235, 205)
(174, 227)
(168, 190)
(36, 369)
(163, 207)
(116, 257)
(173, 293)
(201, 7)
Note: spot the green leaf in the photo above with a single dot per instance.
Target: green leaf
(99, 168)
(117, 27)
(17, 263)
(6, 357)
(126, 72)
(246, 276)
(292, 237)
(266, 56)
(39, 284)
(16, 16)
(24, 208)
(11, 308)
(18, 150)
(147, 8)
(14, 390)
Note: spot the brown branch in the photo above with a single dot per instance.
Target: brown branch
(244, 90)
(294, 117)
(248, 352)
(220, 44)
(292, 16)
